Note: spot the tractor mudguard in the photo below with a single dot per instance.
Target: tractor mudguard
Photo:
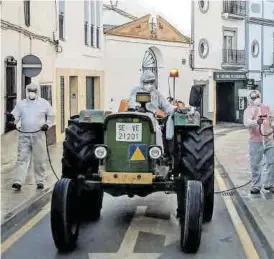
(187, 120)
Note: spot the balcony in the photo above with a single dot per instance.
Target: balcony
(233, 58)
(234, 9)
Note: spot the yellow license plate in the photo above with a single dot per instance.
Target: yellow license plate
(127, 178)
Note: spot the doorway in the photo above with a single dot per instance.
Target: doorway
(73, 86)
(11, 85)
(25, 81)
(90, 100)
(225, 102)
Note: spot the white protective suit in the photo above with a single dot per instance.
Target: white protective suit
(147, 83)
(32, 114)
(259, 146)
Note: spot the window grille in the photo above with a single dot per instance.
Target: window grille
(62, 93)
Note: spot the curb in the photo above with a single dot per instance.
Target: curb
(19, 216)
(242, 207)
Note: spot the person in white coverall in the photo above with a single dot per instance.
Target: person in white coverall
(35, 114)
(260, 146)
(147, 84)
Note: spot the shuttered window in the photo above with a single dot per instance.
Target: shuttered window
(46, 93)
(27, 12)
(62, 96)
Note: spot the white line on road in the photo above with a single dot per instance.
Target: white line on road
(140, 223)
(243, 235)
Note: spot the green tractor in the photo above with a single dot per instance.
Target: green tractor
(117, 153)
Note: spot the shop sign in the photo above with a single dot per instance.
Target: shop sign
(228, 76)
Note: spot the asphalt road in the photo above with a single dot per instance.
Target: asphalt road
(134, 228)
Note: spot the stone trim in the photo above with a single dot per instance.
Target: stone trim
(255, 42)
(204, 10)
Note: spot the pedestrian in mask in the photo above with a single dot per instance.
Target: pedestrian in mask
(260, 146)
(35, 114)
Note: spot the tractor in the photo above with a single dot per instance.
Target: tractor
(117, 153)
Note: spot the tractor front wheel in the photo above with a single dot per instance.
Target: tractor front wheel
(192, 218)
(63, 215)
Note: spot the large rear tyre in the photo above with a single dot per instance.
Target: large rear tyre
(78, 150)
(63, 215)
(91, 204)
(192, 220)
(198, 161)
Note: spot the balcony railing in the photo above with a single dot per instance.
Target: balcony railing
(233, 57)
(234, 7)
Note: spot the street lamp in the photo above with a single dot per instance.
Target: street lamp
(174, 73)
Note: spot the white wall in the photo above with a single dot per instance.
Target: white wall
(42, 22)
(123, 60)
(268, 10)
(268, 90)
(75, 53)
(255, 63)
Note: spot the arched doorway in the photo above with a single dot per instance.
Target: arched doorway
(150, 63)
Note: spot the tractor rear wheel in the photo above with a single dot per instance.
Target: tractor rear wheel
(91, 204)
(78, 151)
(63, 215)
(192, 219)
(198, 161)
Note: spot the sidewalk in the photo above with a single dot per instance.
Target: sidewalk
(13, 202)
(232, 154)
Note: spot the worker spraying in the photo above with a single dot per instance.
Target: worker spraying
(36, 116)
(257, 118)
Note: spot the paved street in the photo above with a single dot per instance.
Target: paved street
(157, 238)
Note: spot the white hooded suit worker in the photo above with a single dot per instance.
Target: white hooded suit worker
(35, 114)
(147, 83)
(259, 145)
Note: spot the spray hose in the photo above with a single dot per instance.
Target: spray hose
(47, 147)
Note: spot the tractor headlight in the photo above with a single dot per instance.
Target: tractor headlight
(155, 152)
(100, 152)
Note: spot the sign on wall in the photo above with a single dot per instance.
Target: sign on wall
(228, 76)
(31, 65)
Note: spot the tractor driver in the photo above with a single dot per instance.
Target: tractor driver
(158, 101)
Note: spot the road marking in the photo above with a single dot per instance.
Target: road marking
(29, 225)
(140, 223)
(243, 235)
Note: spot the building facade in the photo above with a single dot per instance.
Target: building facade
(260, 37)
(147, 42)
(80, 63)
(226, 56)
(27, 28)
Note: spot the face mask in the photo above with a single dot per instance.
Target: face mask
(257, 102)
(32, 95)
(148, 87)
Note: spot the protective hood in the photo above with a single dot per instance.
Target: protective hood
(147, 77)
(33, 87)
(254, 93)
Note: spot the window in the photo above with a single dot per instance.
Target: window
(62, 19)
(62, 94)
(229, 39)
(203, 48)
(255, 49)
(203, 5)
(27, 12)
(86, 21)
(92, 23)
(98, 22)
(46, 93)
